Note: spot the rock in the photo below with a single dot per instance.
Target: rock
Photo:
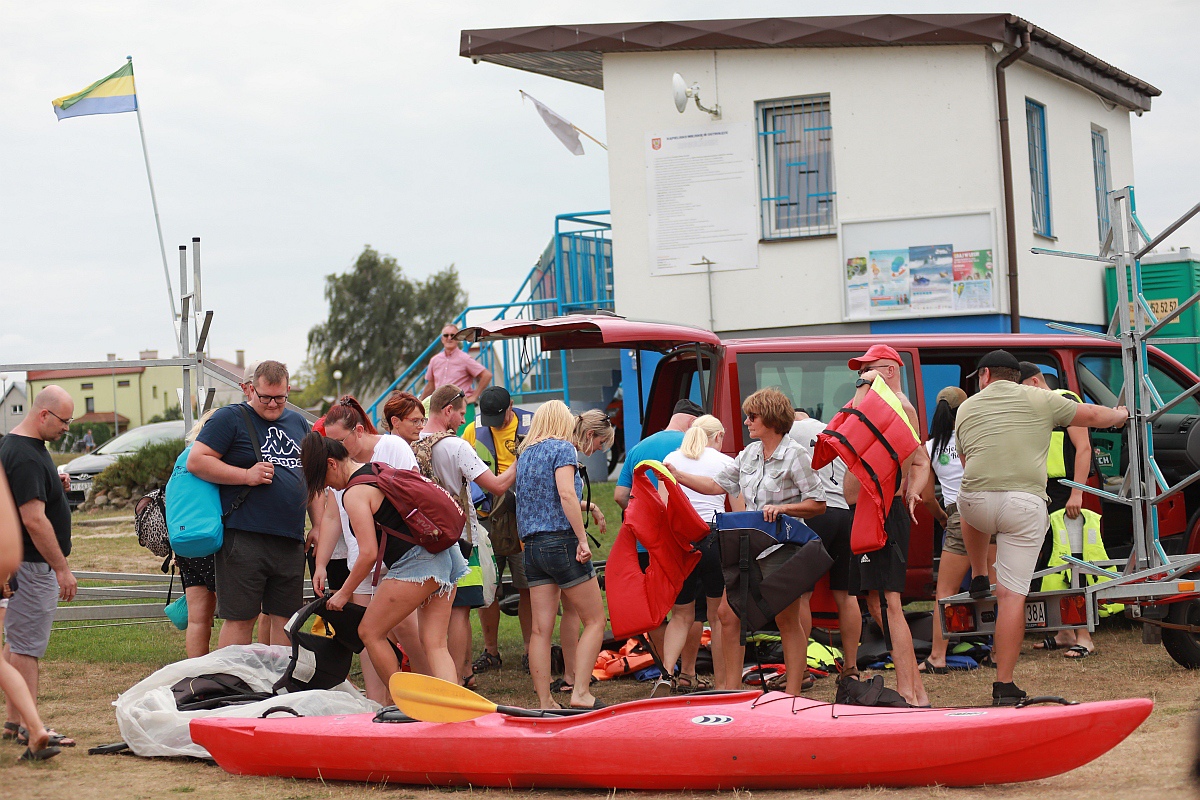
(120, 502)
(100, 500)
(120, 491)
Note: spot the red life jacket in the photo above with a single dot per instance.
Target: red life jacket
(873, 440)
(638, 601)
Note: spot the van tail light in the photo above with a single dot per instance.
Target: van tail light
(959, 618)
(1073, 609)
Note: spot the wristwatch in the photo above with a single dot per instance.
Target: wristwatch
(861, 382)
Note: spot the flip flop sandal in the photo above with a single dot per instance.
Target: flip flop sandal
(469, 682)
(1077, 653)
(46, 753)
(559, 685)
(1048, 644)
(927, 667)
(595, 706)
(12, 732)
(56, 739)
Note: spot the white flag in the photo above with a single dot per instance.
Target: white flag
(565, 131)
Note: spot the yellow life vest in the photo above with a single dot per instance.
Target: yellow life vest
(1093, 551)
(1056, 462)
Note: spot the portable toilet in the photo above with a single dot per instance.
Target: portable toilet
(1168, 279)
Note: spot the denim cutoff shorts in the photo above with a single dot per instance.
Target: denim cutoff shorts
(550, 558)
(419, 565)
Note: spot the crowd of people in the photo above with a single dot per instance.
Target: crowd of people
(988, 453)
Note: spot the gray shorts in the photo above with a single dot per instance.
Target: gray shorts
(31, 609)
(516, 567)
(1018, 520)
(259, 572)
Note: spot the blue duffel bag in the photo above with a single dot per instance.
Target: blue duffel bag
(784, 529)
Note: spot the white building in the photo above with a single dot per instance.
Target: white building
(13, 408)
(854, 179)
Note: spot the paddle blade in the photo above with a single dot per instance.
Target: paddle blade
(430, 699)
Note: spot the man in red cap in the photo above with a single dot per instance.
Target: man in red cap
(884, 571)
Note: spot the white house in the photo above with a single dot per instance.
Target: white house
(852, 175)
(13, 408)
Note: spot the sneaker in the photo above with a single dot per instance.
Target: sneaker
(487, 662)
(1006, 694)
(980, 587)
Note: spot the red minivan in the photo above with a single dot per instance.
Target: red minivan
(812, 371)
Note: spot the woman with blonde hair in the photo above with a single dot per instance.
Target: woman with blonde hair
(557, 557)
(773, 475)
(700, 454)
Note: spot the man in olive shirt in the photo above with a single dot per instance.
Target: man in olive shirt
(1003, 435)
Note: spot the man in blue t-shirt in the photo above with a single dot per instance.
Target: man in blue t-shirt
(260, 566)
(656, 447)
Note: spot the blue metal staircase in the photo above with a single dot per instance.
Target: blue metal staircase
(573, 275)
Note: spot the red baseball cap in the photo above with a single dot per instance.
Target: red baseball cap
(877, 352)
(319, 426)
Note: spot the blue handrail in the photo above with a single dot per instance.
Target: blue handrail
(579, 278)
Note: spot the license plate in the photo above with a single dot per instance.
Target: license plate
(80, 486)
(1035, 615)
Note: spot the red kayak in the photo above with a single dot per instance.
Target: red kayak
(720, 741)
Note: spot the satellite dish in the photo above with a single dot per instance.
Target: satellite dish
(680, 90)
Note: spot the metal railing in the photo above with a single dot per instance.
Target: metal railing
(573, 275)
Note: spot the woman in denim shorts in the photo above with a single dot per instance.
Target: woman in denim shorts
(557, 557)
(416, 580)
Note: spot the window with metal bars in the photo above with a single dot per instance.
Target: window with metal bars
(1100, 169)
(795, 167)
(1039, 169)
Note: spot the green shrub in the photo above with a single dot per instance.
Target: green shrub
(153, 462)
(172, 413)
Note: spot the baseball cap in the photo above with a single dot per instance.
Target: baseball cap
(877, 352)
(1028, 370)
(248, 375)
(688, 407)
(493, 406)
(997, 358)
(953, 396)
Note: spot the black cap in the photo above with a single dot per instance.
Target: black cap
(688, 407)
(997, 358)
(1028, 370)
(493, 406)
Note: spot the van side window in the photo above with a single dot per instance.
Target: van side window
(818, 383)
(1101, 379)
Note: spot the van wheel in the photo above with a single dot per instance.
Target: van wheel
(1183, 646)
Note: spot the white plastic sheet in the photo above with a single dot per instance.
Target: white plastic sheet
(152, 726)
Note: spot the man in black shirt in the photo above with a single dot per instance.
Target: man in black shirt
(40, 496)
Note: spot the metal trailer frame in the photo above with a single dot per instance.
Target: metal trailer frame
(1150, 580)
(200, 375)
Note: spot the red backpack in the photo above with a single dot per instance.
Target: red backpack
(434, 518)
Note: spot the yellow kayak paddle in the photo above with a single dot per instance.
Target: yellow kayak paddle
(430, 699)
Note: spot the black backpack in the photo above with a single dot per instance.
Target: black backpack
(853, 692)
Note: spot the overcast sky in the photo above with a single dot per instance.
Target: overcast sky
(289, 134)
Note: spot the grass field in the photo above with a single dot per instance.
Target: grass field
(86, 668)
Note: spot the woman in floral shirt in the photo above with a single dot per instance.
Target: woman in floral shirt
(773, 475)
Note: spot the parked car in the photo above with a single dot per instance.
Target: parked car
(85, 468)
(812, 370)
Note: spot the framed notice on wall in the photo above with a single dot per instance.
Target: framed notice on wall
(919, 266)
(703, 199)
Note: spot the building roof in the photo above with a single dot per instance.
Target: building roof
(102, 416)
(55, 374)
(575, 52)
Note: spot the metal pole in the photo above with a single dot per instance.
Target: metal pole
(198, 314)
(185, 344)
(162, 248)
(116, 423)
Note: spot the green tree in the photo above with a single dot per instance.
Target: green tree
(380, 320)
(172, 413)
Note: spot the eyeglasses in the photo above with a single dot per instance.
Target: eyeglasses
(751, 417)
(461, 394)
(449, 335)
(417, 422)
(270, 399)
(876, 367)
(66, 421)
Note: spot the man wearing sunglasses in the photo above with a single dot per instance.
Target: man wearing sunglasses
(454, 366)
(260, 566)
(43, 577)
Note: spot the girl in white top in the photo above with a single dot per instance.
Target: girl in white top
(700, 454)
(346, 422)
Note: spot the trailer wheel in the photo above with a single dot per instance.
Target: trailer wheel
(1183, 646)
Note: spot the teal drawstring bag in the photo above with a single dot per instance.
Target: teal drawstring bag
(177, 609)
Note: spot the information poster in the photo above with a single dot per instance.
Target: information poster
(926, 266)
(703, 201)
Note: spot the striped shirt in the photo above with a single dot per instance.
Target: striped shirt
(786, 477)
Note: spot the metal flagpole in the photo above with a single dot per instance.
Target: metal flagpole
(162, 248)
